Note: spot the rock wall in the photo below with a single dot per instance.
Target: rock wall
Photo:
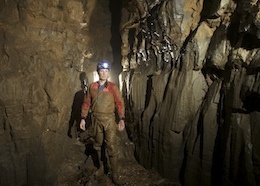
(44, 47)
(191, 82)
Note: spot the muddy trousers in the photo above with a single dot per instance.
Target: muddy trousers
(100, 165)
(105, 131)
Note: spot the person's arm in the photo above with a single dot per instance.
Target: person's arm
(120, 106)
(84, 110)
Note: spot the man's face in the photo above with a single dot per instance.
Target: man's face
(103, 74)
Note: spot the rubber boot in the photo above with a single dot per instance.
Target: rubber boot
(115, 167)
(100, 170)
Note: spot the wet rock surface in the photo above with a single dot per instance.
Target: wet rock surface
(186, 79)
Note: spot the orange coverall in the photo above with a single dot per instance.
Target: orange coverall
(103, 104)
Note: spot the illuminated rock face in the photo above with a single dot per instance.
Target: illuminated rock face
(190, 78)
(44, 47)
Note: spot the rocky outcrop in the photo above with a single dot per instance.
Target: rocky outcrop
(197, 62)
(45, 46)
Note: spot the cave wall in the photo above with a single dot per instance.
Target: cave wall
(191, 82)
(44, 47)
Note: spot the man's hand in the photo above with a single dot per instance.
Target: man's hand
(121, 125)
(82, 124)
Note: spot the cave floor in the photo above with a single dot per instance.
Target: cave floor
(132, 174)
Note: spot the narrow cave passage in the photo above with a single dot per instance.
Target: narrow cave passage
(115, 9)
(190, 80)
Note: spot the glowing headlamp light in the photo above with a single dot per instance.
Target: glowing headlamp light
(103, 65)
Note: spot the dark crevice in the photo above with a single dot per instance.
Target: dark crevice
(115, 7)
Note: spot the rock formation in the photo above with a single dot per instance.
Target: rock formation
(191, 79)
(45, 46)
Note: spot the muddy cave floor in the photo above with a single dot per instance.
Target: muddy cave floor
(131, 174)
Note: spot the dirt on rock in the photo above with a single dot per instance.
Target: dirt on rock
(132, 174)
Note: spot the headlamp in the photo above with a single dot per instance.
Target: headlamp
(103, 65)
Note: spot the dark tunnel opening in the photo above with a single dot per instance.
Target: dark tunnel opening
(115, 7)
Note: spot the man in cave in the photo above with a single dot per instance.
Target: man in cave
(102, 98)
